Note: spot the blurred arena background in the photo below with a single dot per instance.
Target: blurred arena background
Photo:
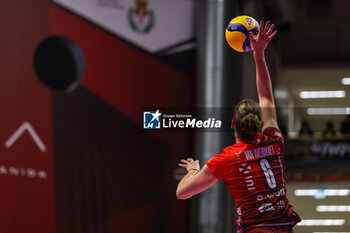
(78, 160)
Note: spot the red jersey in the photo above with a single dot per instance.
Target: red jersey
(254, 173)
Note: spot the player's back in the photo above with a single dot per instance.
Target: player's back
(255, 176)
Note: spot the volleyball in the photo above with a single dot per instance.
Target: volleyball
(237, 33)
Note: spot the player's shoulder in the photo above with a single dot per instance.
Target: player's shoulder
(271, 135)
(273, 132)
(232, 148)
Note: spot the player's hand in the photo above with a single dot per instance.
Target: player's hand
(190, 164)
(264, 37)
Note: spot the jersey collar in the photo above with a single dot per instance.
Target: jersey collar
(252, 140)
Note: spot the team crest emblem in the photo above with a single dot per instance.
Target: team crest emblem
(141, 18)
(249, 22)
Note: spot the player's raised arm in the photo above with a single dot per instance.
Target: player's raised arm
(263, 80)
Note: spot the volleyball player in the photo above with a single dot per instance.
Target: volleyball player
(253, 169)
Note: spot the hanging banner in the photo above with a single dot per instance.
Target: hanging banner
(152, 25)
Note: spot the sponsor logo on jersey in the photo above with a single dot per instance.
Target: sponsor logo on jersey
(265, 207)
(280, 205)
(245, 169)
(279, 193)
(141, 18)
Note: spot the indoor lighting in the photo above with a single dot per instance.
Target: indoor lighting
(345, 81)
(328, 111)
(321, 193)
(333, 208)
(322, 94)
(281, 94)
(321, 222)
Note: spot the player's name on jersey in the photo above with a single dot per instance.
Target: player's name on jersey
(260, 152)
(192, 123)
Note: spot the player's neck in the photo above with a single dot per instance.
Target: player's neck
(236, 137)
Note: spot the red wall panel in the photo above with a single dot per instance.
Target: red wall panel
(124, 76)
(26, 200)
(129, 80)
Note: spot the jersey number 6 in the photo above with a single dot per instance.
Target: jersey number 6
(270, 178)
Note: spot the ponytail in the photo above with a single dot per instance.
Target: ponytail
(247, 116)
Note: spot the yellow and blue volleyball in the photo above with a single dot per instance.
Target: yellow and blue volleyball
(237, 33)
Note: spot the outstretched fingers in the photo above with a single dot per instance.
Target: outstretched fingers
(270, 29)
(260, 42)
(261, 27)
(267, 25)
(273, 35)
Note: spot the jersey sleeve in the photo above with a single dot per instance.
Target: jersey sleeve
(272, 135)
(217, 165)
